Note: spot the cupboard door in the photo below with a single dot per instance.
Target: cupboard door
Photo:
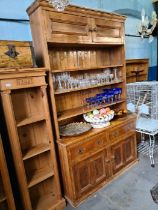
(129, 149)
(99, 167)
(118, 157)
(67, 28)
(107, 31)
(82, 177)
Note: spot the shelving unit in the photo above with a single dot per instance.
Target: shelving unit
(83, 44)
(6, 195)
(25, 106)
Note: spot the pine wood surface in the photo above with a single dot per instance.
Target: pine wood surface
(23, 58)
(137, 70)
(6, 194)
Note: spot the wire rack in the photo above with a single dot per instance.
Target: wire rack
(143, 97)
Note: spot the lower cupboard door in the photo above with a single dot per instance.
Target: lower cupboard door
(99, 167)
(117, 157)
(82, 178)
(130, 149)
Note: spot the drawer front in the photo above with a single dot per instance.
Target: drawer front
(115, 133)
(88, 146)
(25, 82)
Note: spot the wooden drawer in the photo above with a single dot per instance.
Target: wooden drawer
(88, 147)
(23, 82)
(117, 132)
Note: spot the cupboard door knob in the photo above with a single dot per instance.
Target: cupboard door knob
(95, 29)
(90, 29)
(99, 142)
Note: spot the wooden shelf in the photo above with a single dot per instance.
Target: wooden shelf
(45, 202)
(85, 88)
(39, 176)
(2, 198)
(29, 120)
(36, 150)
(85, 68)
(81, 110)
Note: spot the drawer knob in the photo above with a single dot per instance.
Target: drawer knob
(81, 150)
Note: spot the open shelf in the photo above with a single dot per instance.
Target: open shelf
(35, 150)
(86, 88)
(29, 120)
(45, 202)
(85, 68)
(39, 176)
(84, 109)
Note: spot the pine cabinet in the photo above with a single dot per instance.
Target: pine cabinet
(25, 106)
(78, 44)
(90, 163)
(6, 194)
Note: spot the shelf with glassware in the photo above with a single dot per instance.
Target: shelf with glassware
(94, 89)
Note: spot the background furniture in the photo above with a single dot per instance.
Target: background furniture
(80, 43)
(137, 70)
(25, 106)
(6, 196)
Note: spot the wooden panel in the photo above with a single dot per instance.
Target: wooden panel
(21, 55)
(107, 31)
(88, 147)
(63, 28)
(129, 149)
(22, 83)
(117, 157)
(118, 132)
(137, 70)
(100, 170)
(82, 177)
(6, 194)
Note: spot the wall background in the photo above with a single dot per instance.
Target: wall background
(135, 46)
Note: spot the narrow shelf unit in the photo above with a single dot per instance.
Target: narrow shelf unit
(28, 122)
(6, 194)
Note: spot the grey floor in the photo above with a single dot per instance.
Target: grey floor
(131, 191)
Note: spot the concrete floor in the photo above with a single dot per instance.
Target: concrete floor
(131, 191)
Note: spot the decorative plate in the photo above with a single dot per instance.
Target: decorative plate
(74, 129)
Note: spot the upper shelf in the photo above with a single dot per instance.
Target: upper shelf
(84, 109)
(85, 68)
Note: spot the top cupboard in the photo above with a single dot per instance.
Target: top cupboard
(82, 26)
